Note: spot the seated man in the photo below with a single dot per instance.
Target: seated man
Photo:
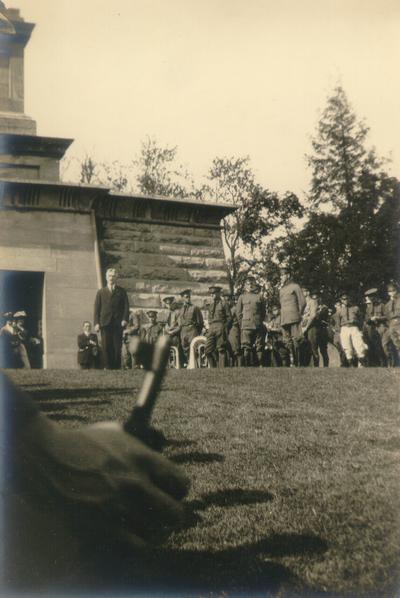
(88, 348)
(74, 496)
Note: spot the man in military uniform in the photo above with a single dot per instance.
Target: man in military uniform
(292, 303)
(151, 331)
(279, 351)
(317, 329)
(191, 322)
(350, 332)
(172, 329)
(131, 330)
(234, 348)
(251, 311)
(219, 320)
(171, 326)
(334, 333)
(391, 338)
(374, 328)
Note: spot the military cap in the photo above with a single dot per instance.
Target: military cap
(20, 314)
(215, 289)
(185, 292)
(344, 294)
(151, 312)
(314, 293)
(370, 292)
(168, 300)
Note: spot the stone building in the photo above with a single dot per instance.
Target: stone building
(57, 239)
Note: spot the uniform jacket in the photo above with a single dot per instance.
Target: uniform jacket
(133, 328)
(292, 303)
(172, 325)
(85, 352)
(151, 332)
(111, 307)
(350, 315)
(376, 311)
(190, 315)
(392, 308)
(251, 310)
(219, 312)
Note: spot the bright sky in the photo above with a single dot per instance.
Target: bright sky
(214, 77)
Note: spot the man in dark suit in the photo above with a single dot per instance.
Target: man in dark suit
(88, 348)
(111, 314)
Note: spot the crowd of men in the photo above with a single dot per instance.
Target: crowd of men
(240, 331)
(235, 331)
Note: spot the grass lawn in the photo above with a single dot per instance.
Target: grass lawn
(295, 475)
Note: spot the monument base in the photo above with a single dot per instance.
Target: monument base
(20, 124)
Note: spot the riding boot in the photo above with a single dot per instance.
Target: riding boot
(211, 360)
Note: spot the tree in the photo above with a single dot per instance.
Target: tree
(354, 244)
(259, 214)
(159, 174)
(340, 158)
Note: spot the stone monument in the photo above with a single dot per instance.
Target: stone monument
(57, 239)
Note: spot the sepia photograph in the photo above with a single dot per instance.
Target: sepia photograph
(200, 298)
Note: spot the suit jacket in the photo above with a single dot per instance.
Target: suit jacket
(111, 307)
(85, 352)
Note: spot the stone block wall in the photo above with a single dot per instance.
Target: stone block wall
(156, 260)
(60, 244)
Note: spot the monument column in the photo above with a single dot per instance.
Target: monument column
(14, 35)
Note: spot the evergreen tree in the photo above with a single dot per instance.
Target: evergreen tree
(353, 242)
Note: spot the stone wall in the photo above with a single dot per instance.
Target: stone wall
(157, 260)
(60, 244)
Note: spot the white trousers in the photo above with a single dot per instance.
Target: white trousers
(352, 342)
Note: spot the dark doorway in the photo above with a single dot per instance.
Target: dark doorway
(23, 291)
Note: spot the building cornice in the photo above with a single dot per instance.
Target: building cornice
(107, 205)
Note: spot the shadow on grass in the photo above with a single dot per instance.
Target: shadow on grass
(55, 394)
(197, 457)
(59, 405)
(65, 417)
(230, 498)
(246, 568)
(179, 443)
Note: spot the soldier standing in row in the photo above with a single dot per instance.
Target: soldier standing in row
(172, 322)
(219, 320)
(374, 328)
(279, 352)
(150, 332)
(190, 321)
(234, 347)
(317, 330)
(292, 307)
(251, 311)
(350, 332)
(391, 338)
(132, 330)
